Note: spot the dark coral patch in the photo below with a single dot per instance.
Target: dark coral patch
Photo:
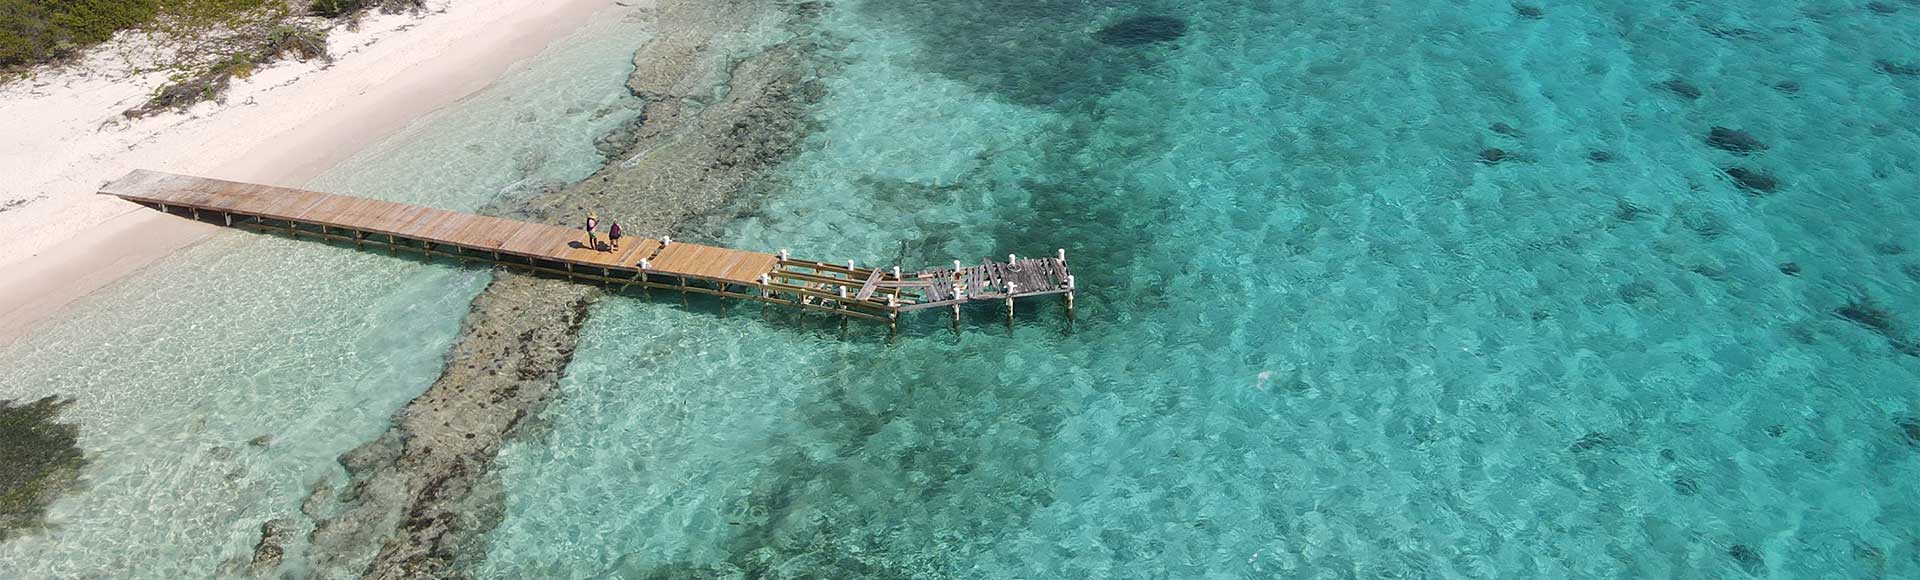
(1593, 440)
(1734, 140)
(1790, 268)
(1679, 88)
(1493, 155)
(1755, 182)
(1600, 156)
(1141, 30)
(1866, 313)
(1788, 87)
(1529, 11)
(1686, 486)
(1897, 69)
(1748, 557)
(1909, 428)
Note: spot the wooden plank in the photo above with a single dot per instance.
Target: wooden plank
(866, 290)
(724, 261)
(751, 266)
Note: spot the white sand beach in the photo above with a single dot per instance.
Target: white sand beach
(283, 125)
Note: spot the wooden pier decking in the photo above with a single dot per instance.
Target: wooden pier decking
(849, 290)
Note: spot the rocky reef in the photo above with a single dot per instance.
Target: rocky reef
(726, 86)
(39, 459)
(1140, 30)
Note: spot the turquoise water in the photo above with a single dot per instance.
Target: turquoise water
(176, 370)
(1322, 334)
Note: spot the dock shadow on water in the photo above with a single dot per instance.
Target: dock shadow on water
(40, 459)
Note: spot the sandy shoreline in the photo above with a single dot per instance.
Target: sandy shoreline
(59, 241)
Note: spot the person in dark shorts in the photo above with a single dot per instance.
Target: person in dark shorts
(593, 222)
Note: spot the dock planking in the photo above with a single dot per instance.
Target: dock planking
(870, 293)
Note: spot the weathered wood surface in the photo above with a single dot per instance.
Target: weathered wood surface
(847, 289)
(873, 283)
(438, 226)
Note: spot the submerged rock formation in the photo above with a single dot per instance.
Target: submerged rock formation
(1141, 30)
(726, 94)
(1680, 88)
(1896, 68)
(39, 460)
(267, 553)
(1753, 181)
(1734, 140)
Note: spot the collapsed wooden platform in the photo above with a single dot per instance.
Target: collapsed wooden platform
(849, 290)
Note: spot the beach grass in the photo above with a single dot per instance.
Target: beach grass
(39, 31)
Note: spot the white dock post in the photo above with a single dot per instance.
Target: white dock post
(1069, 296)
(1011, 288)
(783, 254)
(893, 314)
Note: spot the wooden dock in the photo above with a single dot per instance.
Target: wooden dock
(850, 290)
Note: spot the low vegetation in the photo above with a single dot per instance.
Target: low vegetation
(338, 8)
(205, 43)
(39, 31)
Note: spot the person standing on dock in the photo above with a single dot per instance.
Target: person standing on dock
(593, 222)
(613, 235)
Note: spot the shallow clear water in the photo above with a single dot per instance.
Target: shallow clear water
(1320, 335)
(176, 370)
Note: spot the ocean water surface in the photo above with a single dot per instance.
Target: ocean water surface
(1396, 289)
(1403, 289)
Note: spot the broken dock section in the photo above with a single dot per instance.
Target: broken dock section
(871, 293)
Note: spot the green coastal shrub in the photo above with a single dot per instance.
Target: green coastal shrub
(34, 31)
(338, 8)
(302, 42)
(334, 8)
